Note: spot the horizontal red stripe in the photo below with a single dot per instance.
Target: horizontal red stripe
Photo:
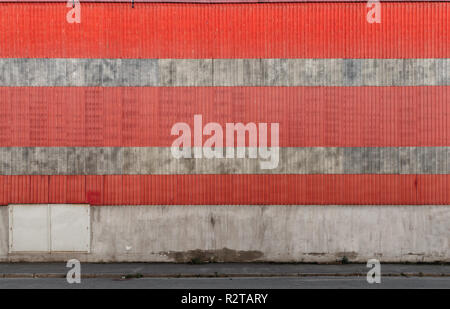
(213, 1)
(277, 30)
(308, 116)
(227, 189)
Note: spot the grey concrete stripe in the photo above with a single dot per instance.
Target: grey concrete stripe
(224, 72)
(159, 160)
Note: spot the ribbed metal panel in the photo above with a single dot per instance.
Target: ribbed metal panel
(289, 30)
(308, 116)
(76, 98)
(227, 189)
(210, 1)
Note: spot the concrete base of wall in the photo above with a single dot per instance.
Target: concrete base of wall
(257, 233)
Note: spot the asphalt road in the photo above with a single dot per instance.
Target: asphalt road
(229, 283)
(213, 269)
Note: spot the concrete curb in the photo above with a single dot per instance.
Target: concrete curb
(216, 275)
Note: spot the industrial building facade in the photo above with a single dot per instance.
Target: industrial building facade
(360, 154)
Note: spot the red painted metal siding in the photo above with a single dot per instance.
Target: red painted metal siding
(227, 189)
(308, 30)
(143, 116)
(366, 116)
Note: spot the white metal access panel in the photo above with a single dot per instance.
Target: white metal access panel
(49, 228)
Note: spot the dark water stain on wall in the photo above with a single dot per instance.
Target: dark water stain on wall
(219, 255)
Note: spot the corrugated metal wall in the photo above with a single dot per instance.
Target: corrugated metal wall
(289, 30)
(86, 109)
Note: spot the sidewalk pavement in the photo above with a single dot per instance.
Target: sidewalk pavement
(238, 270)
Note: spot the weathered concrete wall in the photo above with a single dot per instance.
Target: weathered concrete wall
(159, 160)
(258, 233)
(4, 232)
(224, 72)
